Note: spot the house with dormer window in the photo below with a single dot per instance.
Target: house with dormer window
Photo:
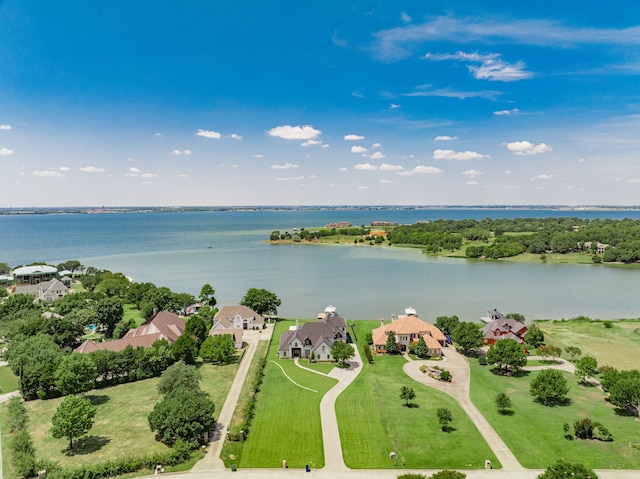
(314, 338)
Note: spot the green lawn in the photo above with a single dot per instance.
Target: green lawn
(534, 432)
(373, 421)
(132, 316)
(9, 382)
(287, 418)
(617, 346)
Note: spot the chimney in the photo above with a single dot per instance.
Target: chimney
(381, 321)
(393, 317)
(297, 321)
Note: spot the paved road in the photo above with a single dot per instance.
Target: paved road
(458, 366)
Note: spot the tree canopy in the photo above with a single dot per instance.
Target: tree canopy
(261, 301)
(549, 387)
(342, 352)
(218, 349)
(565, 470)
(467, 336)
(73, 418)
(179, 376)
(75, 374)
(507, 354)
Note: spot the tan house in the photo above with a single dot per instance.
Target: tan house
(48, 291)
(234, 320)
(408, 328)
(164, 325)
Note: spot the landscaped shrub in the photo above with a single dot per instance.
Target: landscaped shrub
(445, 376)
(410, 475)
(601, 433)
(583, 428)
(21, 445)
(482, 360)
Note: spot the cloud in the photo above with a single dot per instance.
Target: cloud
(343, 168)
(472, 182)
(457, 155)
(312, 143)
(445, 138)
(387, 167)
(377, 156)
(353, 137)
(133, 171)
(285, 166)
(257, 156)
(294, 178)
(633, 180)
(180, 152)
(5, 152)
(47, 174)
(209, 134)
(527, 148)
(358, 149)
(386, 182)
(421, 170)
(235, 136)
(6, 127)
(405, 18)
(460, 95)
(396, 43)
(92, 169)
(513, 111)
(182, 176)
(376, 145)
(149, 175)
(365, 167)
(157, 135)
(544, 176)
(325, 145)
(288, 132)
(472, 172)
(491, 66)
(64, 168)
(393, 106)
(362, 187)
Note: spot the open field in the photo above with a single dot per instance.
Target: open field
(287, 417)
(534, 433)
(9, 382)
(132, 316)
(373, 421)
(617, 346)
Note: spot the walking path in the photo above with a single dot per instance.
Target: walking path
(458, 388)
(212, 459)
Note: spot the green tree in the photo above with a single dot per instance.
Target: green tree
(573, 351)
(73, 418)
(34, 360)
(218, 349)
(587, 366)
(109, 313)
(5, 268)
(179, 376)
(391, 346)
(75, 374)
(207, 297)
(196, 326)
(444, 418)
(567, 470)
(421, 350)
(625, 391)
(517, 316)
(534, 336)
(549, 387)
(508, 355)
(342, 352)
(448, 474)
(184, 414)
(407, 394)
(503, 402)
(467, 337)
(261, 301)
(185, 349)
(447, 324)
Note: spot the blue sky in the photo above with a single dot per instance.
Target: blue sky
(324, 102)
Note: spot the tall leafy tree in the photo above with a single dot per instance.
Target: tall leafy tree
(75, 374)
(109, 313)
(507, 354)
(564, 470)
(342, 352)
(207, 295)
(391, 346)
(196, 326)
(185, 349)
(218, 349)
(407, 394)
(549, 387)
(447, 324)
(444, 418)
(179, 376)
(586, 366)
(73, 418)
(261, 301)
(421, 350)
(467, 337)
(34, 360)
(534, 336)
(625, 391)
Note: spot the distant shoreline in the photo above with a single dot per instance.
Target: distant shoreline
(243, 209)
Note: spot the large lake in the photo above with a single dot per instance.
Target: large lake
(227, 249)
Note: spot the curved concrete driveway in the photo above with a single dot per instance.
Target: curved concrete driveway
(458, 388)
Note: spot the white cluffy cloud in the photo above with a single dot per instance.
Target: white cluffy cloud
(64, 168)
(133, 171)
(288, 132)
(286, 166)
(527, 148)
(491, 66)
(6, 127)
(457, 155)
(47, 174)
(445, 138)
(235, 136)
(312, 143)
(91, 169)
(5, 152)
(209, 134)
(293, 178)
(376, 145)
(180, 152)
(513, 111)
(421, 170)
(365, 167)
(358, 149)
(472, 173)
(149, 175)
(353, 137)
(377, 156)
(387, 167)
(544, 176)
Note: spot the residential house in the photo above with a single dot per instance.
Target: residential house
(600, 247)
(234, 320)
(34, 274)
(314, 338)
(492, 315)
(48, 291)
(503, 328)
(409, 328)
(164, 325)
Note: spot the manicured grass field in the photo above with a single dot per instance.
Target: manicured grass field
(132, 316)
(9, 382)
(617, 346)
(534, 433)
(121, 427)
(287, 418)
(373, 421)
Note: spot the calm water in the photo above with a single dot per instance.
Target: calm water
(226, 249)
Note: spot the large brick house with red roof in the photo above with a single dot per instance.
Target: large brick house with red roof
(503, 328)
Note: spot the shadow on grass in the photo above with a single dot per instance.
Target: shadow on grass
(87, 445)
(506, 412)
(620, 411)
(98, 399)
(520, 373)
(561, 403)
(411, 405)
(448, 429)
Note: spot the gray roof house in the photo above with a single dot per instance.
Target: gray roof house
(48, 291)
(314, 337)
